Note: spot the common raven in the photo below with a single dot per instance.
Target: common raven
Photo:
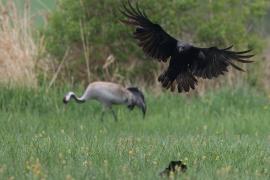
(187, 62)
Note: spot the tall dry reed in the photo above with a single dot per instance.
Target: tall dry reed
(18, 51)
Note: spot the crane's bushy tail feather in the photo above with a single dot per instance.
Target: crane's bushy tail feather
(139, 99)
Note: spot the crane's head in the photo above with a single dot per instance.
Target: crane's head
(67, 97)
(138, 99)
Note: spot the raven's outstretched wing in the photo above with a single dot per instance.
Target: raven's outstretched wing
(212, 62)
(152, 38)
(200, 62)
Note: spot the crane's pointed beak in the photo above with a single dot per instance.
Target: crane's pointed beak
(64, 100)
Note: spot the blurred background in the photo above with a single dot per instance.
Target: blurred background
(66, 42)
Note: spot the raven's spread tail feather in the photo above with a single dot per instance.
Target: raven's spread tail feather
(184, 81)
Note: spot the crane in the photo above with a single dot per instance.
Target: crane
(108, 94)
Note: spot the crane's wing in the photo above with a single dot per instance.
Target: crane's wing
(154, 41)
(212, 62)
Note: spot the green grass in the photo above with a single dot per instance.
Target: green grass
(222, 135)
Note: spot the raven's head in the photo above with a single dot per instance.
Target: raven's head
(182, 46)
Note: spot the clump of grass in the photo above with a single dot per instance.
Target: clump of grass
(18, 50)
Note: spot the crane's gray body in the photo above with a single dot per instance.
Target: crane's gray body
(109, 94)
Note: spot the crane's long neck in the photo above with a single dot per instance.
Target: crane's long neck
(73, 95)
(78, 99)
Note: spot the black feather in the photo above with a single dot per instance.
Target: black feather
(174, 167)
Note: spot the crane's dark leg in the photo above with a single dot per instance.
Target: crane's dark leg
(102, 116)
(114, 115)
(107, 107)
(104, 108)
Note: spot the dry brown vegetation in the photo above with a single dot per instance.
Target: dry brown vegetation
(18, 50)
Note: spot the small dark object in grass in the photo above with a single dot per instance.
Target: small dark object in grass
(174, 168)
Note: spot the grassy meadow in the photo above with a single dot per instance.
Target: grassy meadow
(221, 135)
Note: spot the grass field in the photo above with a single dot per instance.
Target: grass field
(222, 135)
